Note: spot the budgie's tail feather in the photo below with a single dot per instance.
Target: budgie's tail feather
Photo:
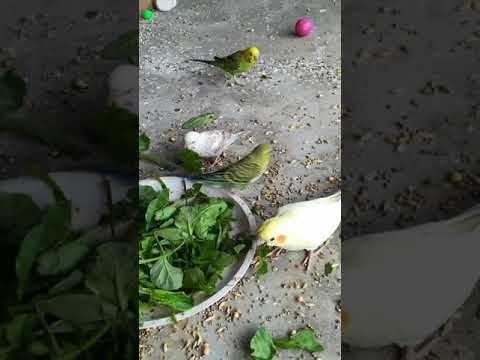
(215, 180)
(210, 62)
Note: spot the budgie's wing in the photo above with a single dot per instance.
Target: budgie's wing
(243, 172)
(230, 63)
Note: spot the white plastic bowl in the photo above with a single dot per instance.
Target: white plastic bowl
(244, 222)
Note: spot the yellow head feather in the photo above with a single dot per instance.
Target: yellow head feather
(251, 55)
(270, 232)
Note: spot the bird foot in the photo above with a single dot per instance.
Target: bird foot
(420, 352)
(308, 257)
(233, 81)
(276, 252)
(215, 162)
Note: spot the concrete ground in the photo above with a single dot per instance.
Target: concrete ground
(292, 100)
(403, 142)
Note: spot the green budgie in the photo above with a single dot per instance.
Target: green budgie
(242, 173)
(239, 62)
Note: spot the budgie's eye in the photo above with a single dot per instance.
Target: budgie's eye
(251, 54)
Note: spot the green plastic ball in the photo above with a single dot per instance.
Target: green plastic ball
(147, 14)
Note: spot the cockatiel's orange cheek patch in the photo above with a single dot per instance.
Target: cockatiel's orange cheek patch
(280, 240)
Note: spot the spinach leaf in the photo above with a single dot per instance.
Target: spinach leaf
(189, 160)
(53, 229)
(18, 213)
(262, 346)
(328, 268)
(199, 121)
(113, 275)
(193, 279)
(146, 195)
(67, 284)
(65, 307)
(155, 205)
(177, 301)
(12, 92)
(262, 268)
(194, 192)
(165, 213)
(207, 217)
(19, 330)
(187, 219)
(166, 276)
(62, 259)
(143, 143)
(171, 234)
(303, 339)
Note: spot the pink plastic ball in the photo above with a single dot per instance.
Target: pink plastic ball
(303, 27)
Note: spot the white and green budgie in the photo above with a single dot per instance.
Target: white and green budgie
(401, 287)
(304, 225)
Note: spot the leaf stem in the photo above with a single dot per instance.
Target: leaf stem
(146, 261)
(53, 340)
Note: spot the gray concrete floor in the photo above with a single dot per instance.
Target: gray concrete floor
(292, 100)
(386, 102)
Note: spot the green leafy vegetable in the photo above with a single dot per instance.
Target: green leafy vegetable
(199, 121)
(262, 346)
(12, 92)
(66, 307)
(66, 294)
(54, 229)
(165, 276)
(67, 284)
(177, 301)
(328, 268)
(18, 213)
(143, 143)
(262, 265)
(62, 259)
(185, 247)
(189, 160)
(303, 339)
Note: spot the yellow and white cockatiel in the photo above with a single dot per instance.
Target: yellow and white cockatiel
(401, 287)
(304, 225)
